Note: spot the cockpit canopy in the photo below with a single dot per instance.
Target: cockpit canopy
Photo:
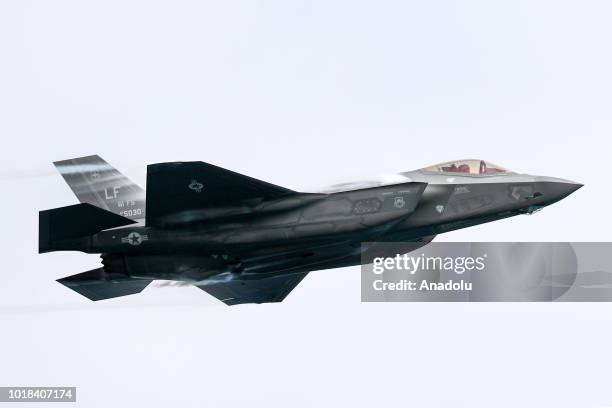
(467, 167)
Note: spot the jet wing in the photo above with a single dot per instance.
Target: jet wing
(189, 191)
(265, 290)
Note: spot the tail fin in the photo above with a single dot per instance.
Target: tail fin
(69, 228)
(96, 182)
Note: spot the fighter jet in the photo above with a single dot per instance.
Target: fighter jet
(244, 240)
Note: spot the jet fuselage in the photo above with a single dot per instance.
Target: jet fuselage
(316, 230)
(205, 223)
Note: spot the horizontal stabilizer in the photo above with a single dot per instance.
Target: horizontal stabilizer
(265, 290)
(97, 284)
(74, 221)
(192, 188)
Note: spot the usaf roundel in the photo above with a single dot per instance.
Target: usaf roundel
(134, 238)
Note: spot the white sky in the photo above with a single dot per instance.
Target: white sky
(304, 94)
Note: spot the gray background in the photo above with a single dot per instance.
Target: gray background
(303, 94)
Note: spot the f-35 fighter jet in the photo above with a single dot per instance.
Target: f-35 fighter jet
(243, 240)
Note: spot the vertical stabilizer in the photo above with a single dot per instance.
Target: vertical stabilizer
(96, 182)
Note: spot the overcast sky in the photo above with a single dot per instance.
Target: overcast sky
(304, 94)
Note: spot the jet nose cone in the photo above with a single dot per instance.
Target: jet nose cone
(555, 189)
(565, 189)
(573, 187)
